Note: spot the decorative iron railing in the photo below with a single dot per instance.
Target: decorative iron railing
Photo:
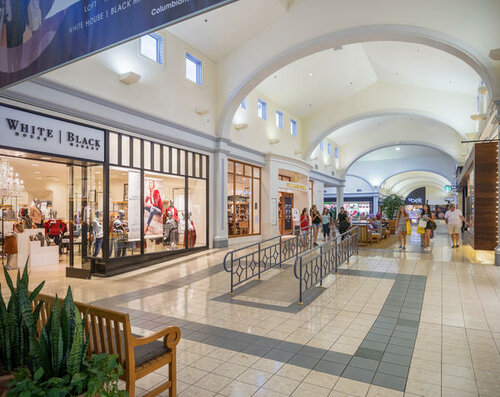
(312, 267)
(252, 260)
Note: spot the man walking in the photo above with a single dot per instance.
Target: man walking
(454, 218)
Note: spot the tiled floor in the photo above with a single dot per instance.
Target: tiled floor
(390, 324)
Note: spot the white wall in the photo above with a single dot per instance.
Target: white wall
(163, 91)
(259, 132)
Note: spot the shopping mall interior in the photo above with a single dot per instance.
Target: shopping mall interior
(173, 177)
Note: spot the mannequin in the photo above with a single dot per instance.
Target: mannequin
(55, 228)
(191, 231)
(170, 230)
(120, 229)
(98, 233)
(36, 213)
(10, 244)
(171, 208)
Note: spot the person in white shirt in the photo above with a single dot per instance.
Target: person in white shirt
(454, 218)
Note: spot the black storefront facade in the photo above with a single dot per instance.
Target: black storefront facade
(127, 201)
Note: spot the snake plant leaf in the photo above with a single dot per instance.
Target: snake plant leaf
(8, 280)
(56, 342)
(75, 356)
(36, 291)
(45, 353)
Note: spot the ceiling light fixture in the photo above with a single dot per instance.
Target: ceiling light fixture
(46, 158)
(478, 117)
(274, 141)
(240, 126)
(34, 165)
(129, 78)
(495, 54)
(310, 74)
(36, 172)
(398, 149)
(419, 50)
(482, 90)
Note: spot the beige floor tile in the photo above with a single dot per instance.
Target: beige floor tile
(193, 391)
(293, 372)
(150, 381)
(267, 393)
(281, 384)
(267, 365)
(459, 383)
(214, 383)
(425, 376)
(456, 393)
(254, 376)
(207, 364)
(191, 375)
(422, 388)
(309, 390)
(239, 389)
(230, 370)
(321, 379)
(377, 391)
(352, 387)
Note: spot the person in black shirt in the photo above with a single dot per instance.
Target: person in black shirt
(316, 223)
(343, 222)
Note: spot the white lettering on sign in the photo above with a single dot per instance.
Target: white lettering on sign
(412, 200)
(24, 130)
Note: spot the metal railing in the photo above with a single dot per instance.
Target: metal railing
(312, 267)
(252, 260)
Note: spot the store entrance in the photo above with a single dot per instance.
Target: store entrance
(285, 212)
(46, 219)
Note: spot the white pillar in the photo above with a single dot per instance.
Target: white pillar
(219, 217)
(497, 249)
(375, 204)
(340, 198)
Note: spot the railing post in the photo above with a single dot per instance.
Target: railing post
(336, 263)
(232, 272)
(320, 266)
(300, 284)
(280, 250)
(259, 261)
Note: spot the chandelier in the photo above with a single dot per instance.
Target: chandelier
(10, 184)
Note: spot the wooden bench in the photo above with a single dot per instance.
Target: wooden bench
(109, 332)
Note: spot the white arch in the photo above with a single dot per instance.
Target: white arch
(389, 32)
(419, 144)
(413, 170)
(383, 113)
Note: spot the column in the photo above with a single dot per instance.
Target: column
(219, 218)
(375, 204)
(497, 249)
(340, 198)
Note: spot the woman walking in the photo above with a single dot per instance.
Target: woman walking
(428, 217)
(326, 224)
(316, 222)
(401, 220)
(343, 222)
(304, 225)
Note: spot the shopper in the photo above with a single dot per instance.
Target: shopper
(401, 220)
(343, 222)
(316, 223)
(454, 219)
(428, 217)
(304, 224)
(326, 224)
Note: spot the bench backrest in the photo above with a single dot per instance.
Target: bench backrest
(108, 331)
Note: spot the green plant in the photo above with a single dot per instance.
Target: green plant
(391, 205)
(99, 375)
(18, 322)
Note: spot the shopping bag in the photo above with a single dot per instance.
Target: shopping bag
(422, 223)
(408, 227)
(420, 230)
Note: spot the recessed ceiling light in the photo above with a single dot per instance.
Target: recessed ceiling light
(310, 74)
(36, 172)
(34, 165)
(419, 50)
(398, 148)
(46, 158)
(39, 178)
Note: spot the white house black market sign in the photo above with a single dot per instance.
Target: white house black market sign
(28, 131)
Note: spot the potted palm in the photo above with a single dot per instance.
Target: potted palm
(390, 208)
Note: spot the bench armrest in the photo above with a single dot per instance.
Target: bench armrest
(171, 337)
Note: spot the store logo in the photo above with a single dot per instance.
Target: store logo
(418, 200)
(28, 130)
(83, 142)
(32, 131)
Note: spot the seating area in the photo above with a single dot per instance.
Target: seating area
(369, 236)
(109, 332)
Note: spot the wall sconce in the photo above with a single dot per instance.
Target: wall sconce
(495, 54)
(478, 117)
(201, 111)
(482, 90)
(130, 78)
(240, 126)
(274, 141)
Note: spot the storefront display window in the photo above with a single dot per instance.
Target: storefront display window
(243, 199)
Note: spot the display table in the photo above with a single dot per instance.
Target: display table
(38, 255)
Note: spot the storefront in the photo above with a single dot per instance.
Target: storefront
(99, 201)
(294, 195)
(356, 207)
(243, 201)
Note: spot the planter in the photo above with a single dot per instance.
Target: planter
(391, 223)
(4, 379)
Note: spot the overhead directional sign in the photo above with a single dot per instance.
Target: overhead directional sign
(40, 35)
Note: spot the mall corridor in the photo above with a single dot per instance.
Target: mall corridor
(420, 323)
(250, 198)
